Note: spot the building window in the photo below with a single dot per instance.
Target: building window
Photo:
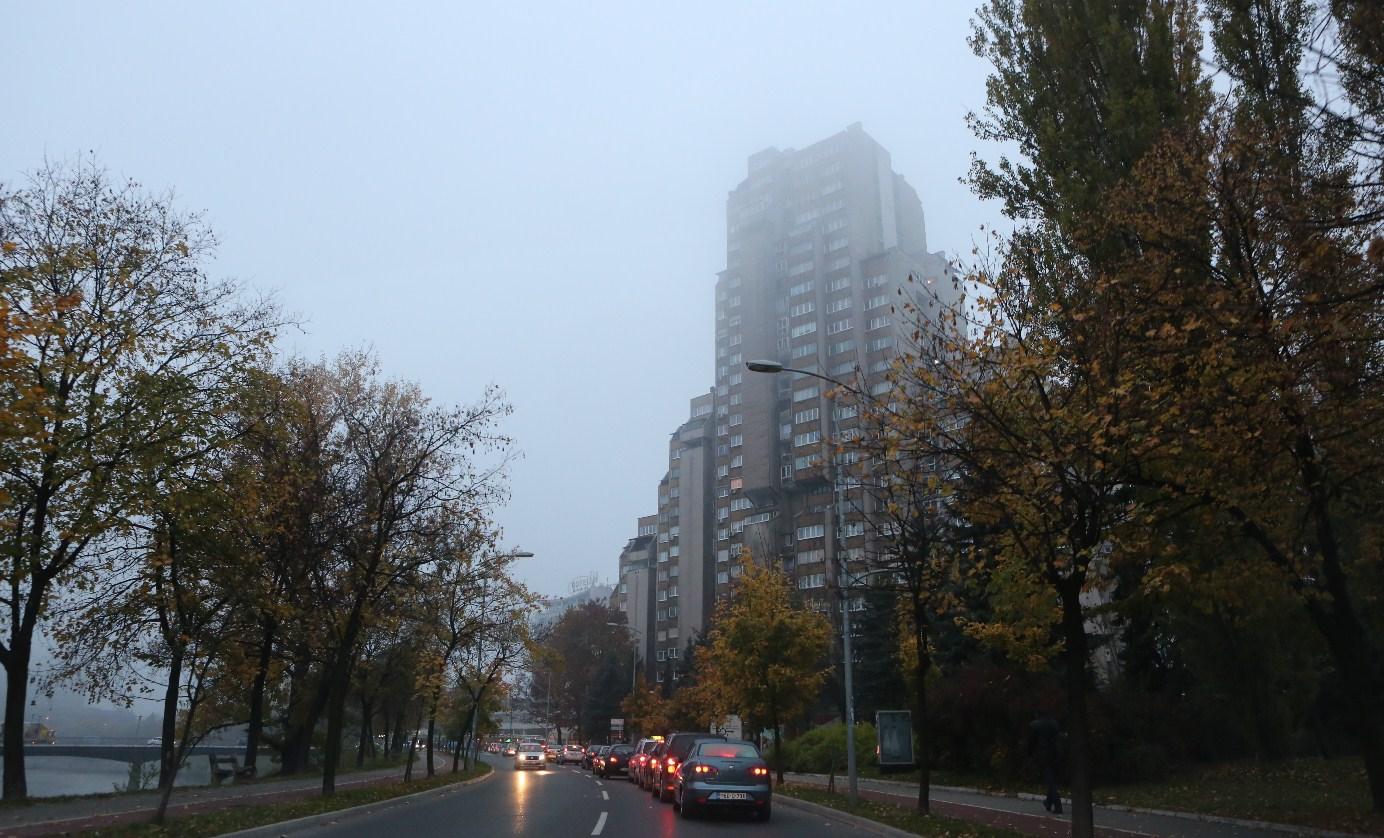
(811, 556)
(722, 556)
(800, 269)
(848, 411)
(805, 394)
(735, 378)
(879, 344)
(723, 534)
(809, 438)
(737, 461)
(838, 305)
(810, 415)
(804, 329)
(841, 346)
(813, 531)
(837, 243)
(800, 288)
(737, 440)
(854, 528)
(804, 350)
(722, 577)
(880, 388)
(876, 302)
(876, 281)
(802, 308)
(838, 326)
(812, 580)
(877, 323)
(841, 283)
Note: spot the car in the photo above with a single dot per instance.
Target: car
(729, 774)
(588, 755)
(616, 760)
(674, 753)
(642, 749)
(510, 749)
(597, 755)
(570, 753)
(492, 748)
(529, 755)
(550, 753)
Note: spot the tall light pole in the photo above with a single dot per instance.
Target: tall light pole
(851, 775)
(634, 652)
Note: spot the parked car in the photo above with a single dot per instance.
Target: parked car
(642, 749)
(529, 755)
(675, 751)
(589, 754)
(616, 760)
(723, 775)
(571, 753)
(597, 754)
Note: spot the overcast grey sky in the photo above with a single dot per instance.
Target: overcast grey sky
(531, 194)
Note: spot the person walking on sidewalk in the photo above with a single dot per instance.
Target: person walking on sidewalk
(1043, 735)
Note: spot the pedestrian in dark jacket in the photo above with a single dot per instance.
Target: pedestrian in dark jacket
(1043, 735)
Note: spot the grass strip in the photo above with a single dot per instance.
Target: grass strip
(892, 815)
(235, 818)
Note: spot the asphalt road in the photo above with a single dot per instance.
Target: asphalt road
(555, 802)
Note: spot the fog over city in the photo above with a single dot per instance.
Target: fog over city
(530, 195)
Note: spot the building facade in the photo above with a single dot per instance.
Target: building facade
(824, 246)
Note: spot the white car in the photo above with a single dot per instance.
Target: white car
(529, 756)
(570, 753)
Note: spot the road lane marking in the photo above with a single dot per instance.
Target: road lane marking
(600, 824)
(605, 795)
(598, 782)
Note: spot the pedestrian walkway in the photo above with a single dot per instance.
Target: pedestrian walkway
(76, 814)
(1025, 813)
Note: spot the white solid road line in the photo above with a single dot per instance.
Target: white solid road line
(600, 824)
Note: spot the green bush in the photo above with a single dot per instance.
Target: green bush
(823, 749)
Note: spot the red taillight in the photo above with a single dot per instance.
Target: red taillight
(759, 771)
(704, 770)
(614, 759)
(672, 763)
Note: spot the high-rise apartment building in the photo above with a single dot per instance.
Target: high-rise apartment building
(821, 244)
(634, 592)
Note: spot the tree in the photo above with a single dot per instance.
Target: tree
(645, 710)
(123, 330)
(765, 659)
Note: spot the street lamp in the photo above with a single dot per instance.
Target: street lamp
(634, 653)
(852, 778)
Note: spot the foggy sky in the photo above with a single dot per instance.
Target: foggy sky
(526, 194)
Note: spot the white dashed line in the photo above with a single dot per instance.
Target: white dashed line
(598, 782)
(605, 795)
(600, 824)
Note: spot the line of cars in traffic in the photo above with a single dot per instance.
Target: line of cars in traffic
(696, 772)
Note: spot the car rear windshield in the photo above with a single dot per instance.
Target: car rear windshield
(727, 750)
(622, 749)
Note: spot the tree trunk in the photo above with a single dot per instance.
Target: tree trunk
(256, 720)
(1074, 636)
(16, 703)
(432, 727)
(396, 744)
(364, 741)
(169, 731)
(778, 742)
(336, 721)
(303, 714)
(922, 663)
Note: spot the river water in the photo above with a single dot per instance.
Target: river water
(54, 776)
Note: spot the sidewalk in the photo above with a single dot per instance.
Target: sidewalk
(1025, 813)
(82, 813)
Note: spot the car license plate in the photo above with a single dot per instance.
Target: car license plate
(730, 795)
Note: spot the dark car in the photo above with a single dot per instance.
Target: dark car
(723, 775)
(643, 749)
(588, 755)
(596, 754)
(675, 751)
(646, 771)
(616, 760)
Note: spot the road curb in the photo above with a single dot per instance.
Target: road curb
(845, 817)
(273, 830)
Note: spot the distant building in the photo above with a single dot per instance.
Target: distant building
(583, 589)
(824, 246)
(634, 593)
